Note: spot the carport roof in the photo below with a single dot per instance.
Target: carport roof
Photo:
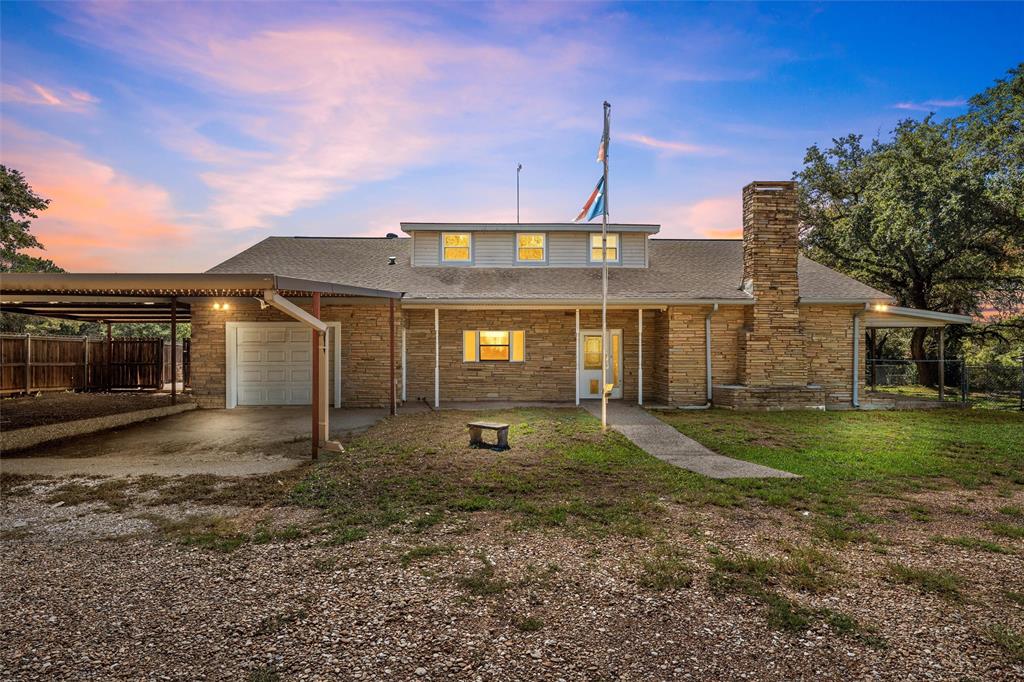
(147, 297)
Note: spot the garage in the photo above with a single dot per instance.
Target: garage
(268, 363)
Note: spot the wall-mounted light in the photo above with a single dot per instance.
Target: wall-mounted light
(221, 306)
(148, 303)
(880, 307)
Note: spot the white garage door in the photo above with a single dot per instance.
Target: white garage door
(273, 365)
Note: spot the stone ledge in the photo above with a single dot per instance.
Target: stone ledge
(769, 398)
(21, 439)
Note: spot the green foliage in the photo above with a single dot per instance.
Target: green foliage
(19, 206)
(933, 216)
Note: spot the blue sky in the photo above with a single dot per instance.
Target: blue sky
(171, 136)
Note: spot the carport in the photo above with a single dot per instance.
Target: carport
(169, 298)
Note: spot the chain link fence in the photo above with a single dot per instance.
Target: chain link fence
(990, 385)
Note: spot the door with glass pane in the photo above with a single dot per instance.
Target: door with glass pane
(590, 363)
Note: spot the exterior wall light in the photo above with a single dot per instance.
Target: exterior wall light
(221, 306)
(880, 307)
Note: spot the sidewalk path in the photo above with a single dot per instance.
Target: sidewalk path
(667, 444)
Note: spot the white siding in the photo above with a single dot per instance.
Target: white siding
(498, 249)
(425, 248)
(632, 250)
(494, 249)
(567, 249)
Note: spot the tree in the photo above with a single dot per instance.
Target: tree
(19, 206)
(934, 216)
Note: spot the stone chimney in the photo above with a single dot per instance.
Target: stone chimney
(772, 352)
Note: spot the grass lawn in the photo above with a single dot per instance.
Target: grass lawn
(904, 537)
(845, 456)
(563, 472)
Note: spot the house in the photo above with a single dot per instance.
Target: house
(512, 312)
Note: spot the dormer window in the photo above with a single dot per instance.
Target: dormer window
(531, 247)
(456, 247)
(612, 241)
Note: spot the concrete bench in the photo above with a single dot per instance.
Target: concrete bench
(476, 435)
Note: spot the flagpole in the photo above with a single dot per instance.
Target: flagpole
(604, 275)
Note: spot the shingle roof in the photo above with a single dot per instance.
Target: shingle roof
(680, 269)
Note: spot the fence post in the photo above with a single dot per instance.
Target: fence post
(28, 363)
(964, 387)
(85, 362)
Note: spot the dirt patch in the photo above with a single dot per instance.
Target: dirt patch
(55, 408)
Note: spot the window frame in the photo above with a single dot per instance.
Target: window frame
(544, 248)
(480, 345)
(441, 247)
(516, 346)
(590, 248)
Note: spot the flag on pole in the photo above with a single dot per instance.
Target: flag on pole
(602, 150)
(594, 205)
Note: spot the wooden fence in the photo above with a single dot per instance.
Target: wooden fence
(29, 364)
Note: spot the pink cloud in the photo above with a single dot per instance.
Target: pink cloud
(669, 146)
(98, 218)
(710, 218)
(35, 94)
(341, 102)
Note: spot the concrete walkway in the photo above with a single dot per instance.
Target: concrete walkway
(667, 444)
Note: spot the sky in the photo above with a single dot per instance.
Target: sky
(170, 136)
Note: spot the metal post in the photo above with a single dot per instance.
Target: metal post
(519, 167)
(639, 356)
(315, 346)
(85, 363)
(391, 339)
(604, 272)
(964, 388)
(942, 364)
(108, 380)
(437, 358)
(873, 359)
(577, 356)
(28, 363)
(174, 350)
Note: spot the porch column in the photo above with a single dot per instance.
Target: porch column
(391, 345)
(437, 358)
(174, 350)
(404, 383)
(577, 356)
(942, 364)
(639, 356)
(315, 349)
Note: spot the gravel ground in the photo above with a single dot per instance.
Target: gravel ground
(53, 408)
(91, 594)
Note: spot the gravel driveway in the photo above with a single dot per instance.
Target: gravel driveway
(91, 594)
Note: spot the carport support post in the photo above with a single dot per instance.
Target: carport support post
(107, 383)
(174, 350)
(942, 364)
(316, 378)
(391, 340)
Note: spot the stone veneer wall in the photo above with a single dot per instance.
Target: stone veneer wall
(828, 340)
(773, 347)
(364, 349)
(549, 370)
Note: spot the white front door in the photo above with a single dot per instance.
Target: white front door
(273, 364)
(590, 363)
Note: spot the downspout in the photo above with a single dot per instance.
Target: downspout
(856, 356)
(707, 361)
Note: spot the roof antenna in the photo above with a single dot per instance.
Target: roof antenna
(519, 168)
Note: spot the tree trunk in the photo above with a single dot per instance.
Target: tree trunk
(927, 372)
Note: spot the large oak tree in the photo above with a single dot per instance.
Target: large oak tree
(934, 215)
